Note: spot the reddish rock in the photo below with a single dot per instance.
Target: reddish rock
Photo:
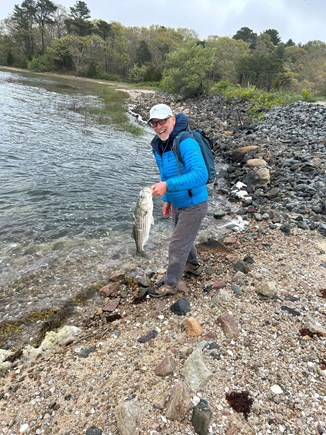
(218, 285)
(229, 241)
(228, 326)
(166, 367)
(110, 289)
(111, 305)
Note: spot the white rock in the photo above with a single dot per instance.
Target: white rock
(52, 339)
(195, 400)
(3, 355)
(23, 428)
(276, 389)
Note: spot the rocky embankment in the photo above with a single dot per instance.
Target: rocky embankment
(243, 352)
(281, 160)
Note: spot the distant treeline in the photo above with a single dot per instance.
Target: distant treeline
(43, 36)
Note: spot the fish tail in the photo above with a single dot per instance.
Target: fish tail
(141, 253)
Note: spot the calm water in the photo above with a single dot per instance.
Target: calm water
(62, 174)
(68, 185)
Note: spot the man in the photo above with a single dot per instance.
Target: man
(184, 193)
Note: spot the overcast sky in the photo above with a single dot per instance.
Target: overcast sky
(299, 20)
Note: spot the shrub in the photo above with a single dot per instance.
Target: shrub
(39, 63)
(260, 100)
(306, 95)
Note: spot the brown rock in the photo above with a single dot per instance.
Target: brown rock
(110, 289)
(179, 402)
(166, 366)
(111, 305)
(192, 327)
(230, 240)
(228, 326)
(116, 278)
(256, 163)
(218, 285)
(240, 153)
(263, 175)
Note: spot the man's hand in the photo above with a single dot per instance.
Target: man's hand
(159, 189)
(166, 209)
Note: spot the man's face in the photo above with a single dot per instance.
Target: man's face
(163, 127)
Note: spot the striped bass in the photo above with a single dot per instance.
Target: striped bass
(143, 219)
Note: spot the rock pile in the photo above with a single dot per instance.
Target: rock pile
(280, 160)
(242, 352)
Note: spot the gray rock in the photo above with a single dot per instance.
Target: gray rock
(267, 289)
(181, 307)
(201, 417)
(128, 415)
(93, 430)
(195, 371)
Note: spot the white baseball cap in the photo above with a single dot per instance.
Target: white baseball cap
(160, 111)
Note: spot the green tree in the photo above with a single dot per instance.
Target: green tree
(314, 70)
(78, 23)
(6, 56)
(102, 28)
(289, 43)
(86, 53)
(187, 70)
(44, 15)
(59, 54)
(228, 54)
(30, 23)
(80, 11)
(274, 35)
(143, 54)
(247, 35)
(262, 65)
(24, 18)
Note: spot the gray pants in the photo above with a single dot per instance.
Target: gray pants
(186, 223)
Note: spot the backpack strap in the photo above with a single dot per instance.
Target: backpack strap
(176, 145)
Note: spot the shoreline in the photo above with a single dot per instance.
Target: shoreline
(119, 86)
(254, 355)
(256, 328)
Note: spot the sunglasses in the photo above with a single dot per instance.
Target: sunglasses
(154, 124)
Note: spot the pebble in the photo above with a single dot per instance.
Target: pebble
(23, 428)
(276, 389)
(181, 307)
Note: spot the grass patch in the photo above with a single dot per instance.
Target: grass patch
(260, 101)
(113, 109)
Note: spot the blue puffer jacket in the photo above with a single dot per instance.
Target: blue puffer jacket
(186, 183)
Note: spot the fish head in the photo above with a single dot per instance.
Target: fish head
(146, 192)
(146, 197)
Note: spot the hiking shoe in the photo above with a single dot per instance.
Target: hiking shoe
(194, 269)
(163, 290)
